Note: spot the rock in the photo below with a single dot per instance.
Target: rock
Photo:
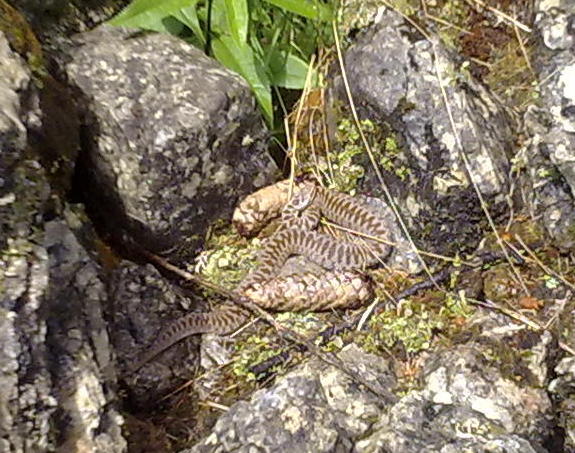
(479, 396)
(393, 76)
(57, 376)
(484, 395)
(548, 156)
(53, 19)
(170, 138)
(144, 304)
(80, 355)
(563, 388)
(315, 408)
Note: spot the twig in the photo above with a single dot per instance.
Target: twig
(286, 333)
(236, 297)
(502, 15)
(467, 165)
(374, 164)
(519, 318)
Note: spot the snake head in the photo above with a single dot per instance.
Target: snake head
(304, 196)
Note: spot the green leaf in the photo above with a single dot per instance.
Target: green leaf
(238, 18)
(219, 24)
(312, 10)
(289, 71)
(189, 17)
(148, 14)
(241, 59)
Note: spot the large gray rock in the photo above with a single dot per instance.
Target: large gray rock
(467, 403)
(393, 76)
(170, 137)
(549, 155)
(316, 407)
(478, 396)
(56, 375)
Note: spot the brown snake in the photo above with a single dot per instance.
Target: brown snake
(296, 236)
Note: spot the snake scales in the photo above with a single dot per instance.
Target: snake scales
(297, 235)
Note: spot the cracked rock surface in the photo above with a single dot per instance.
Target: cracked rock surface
(549, 156)
(393, 76)
(467, 398)
(57, 377)
(170, 138)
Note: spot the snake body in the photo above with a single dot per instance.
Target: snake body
(297, 236)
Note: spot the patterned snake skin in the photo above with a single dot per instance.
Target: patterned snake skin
(297, 236)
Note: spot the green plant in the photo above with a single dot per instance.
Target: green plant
(268, 42)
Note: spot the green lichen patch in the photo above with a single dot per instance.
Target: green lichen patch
(251, 351)
(226, 265)
(357, 14)
(301, 322)
(413, 326)
(344, 166)
(344, 173)
(227, 258)
(260, 346)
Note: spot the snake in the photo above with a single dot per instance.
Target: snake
(298, 235)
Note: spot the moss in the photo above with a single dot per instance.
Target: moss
(345, 166)
(357, 14)
(413, 325)
(227, 259)
(254, 349)
(511, 359)
(22, 39)
(571, 231)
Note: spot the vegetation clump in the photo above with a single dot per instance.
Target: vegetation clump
(270, 43)
(413, 325)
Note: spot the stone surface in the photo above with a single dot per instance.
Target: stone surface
(145, 303)
(56, 18)
(56, 374)
(170, 138)
(314, 408)
(478, 396)
(393, 76)
(563, 389)
(548, 157)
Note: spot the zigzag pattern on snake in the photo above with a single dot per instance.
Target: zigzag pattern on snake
(296, 236)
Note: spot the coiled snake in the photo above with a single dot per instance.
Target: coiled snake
(298, 235)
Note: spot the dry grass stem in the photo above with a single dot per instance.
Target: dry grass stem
(501, 15)
(396, 245)
(467, 165)
(545, 268)
(214, 405)
(524, 51)
(367, 314)
(374, 164)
